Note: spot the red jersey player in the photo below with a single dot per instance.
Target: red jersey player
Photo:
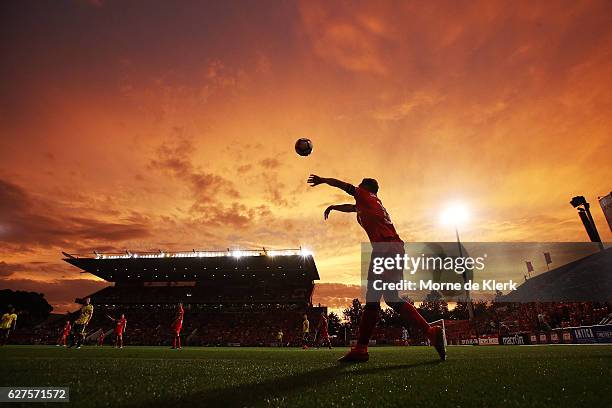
(120, 325)
(386, 243)
(177, 324)
(101, 337)
(323, 333)
(61, 341)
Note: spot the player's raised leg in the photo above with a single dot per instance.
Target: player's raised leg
(80, 336)
(413, 318)
(367, 324)
(406, 310)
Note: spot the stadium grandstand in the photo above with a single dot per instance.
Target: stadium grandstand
(240, 297)
(245, 297)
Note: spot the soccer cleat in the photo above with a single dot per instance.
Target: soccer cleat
(437, 337)
(355, 355)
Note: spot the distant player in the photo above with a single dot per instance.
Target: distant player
(375, 220)
(80, 324)
(305, 331)
(120, 325)
(177, 325)
(101, 337)
(323, 332)
(279, 337)
(404, 336)
(8, 323)
(64, 333)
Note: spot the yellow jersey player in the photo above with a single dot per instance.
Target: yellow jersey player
(279, 337)
(78, 328)
(9, 321)
(305, 331)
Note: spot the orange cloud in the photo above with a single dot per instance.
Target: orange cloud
(351, 41)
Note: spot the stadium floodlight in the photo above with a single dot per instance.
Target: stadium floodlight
(456, 214)
(305, 252)
(584, 211)
(578, 201)
(237, 254)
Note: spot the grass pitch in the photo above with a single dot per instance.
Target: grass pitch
(481, 376)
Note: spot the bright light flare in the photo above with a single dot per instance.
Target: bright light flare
(456, 214)
(305, 252)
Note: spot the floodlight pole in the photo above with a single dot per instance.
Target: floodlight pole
(468, 298)
(458, 240)
(580, 203)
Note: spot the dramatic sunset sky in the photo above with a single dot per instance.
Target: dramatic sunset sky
(160, 124)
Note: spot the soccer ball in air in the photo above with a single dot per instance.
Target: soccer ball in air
(303, 146)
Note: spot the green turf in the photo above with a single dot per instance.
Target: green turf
(485, 376)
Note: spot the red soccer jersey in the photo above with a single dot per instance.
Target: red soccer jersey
(373, 217)
(66, 329)
(120, 328)
(178, 322)
(323, 325)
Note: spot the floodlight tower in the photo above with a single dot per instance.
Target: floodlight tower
(584, 212)
(455, 215)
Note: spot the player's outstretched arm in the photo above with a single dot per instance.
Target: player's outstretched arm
(347, 208)
(315, 180)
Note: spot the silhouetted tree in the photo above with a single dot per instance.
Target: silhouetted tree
(388, 318)
(352, 314)
(333, 323)
(480, 308)
(460, 312)
(434, 307)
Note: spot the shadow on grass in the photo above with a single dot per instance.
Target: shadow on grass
(257, 393)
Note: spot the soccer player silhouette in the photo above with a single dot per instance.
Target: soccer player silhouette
(177, 325)
(120, 325)
(375, 220)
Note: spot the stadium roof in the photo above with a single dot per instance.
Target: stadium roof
(194, 253)
(585, 280)
(195, 265)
